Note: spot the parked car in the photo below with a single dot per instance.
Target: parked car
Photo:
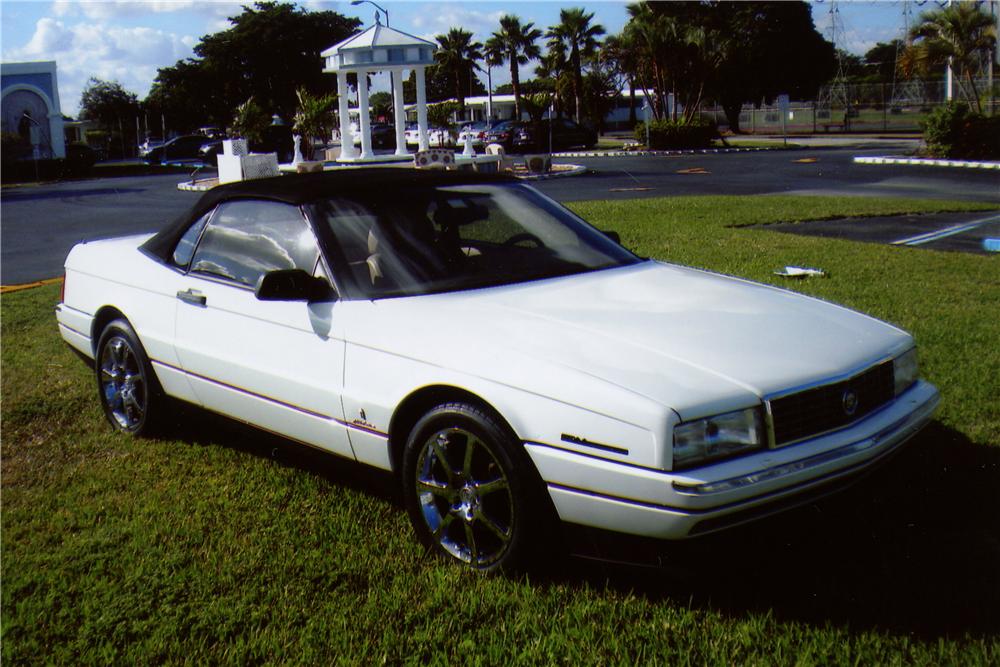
(437, 136)
(504, 133)
(476, 130)
(565, 134)
(516, 368)
(184, 148)
(149, 144)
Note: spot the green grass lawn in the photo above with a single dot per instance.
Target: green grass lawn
(222, 544)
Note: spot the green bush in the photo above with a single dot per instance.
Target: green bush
(955, 131)
(699, 132)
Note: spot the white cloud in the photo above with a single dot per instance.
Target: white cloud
(441, 18)
(130, 56)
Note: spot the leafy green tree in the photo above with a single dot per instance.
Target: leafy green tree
(108, 103)
(457, 58)
(115, 109)
(575, 39)
(381, 104)
(962, 34)
(770, 48)
(880, 61)
(270, 50)
(515, 44)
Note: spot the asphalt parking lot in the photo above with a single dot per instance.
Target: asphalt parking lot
(42, 222)
(954, 232)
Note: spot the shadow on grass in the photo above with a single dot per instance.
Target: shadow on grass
(913, 548)
(203, 428)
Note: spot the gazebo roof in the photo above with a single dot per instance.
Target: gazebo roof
(377, 36)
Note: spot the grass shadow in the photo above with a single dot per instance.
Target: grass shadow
(202, 428)
(913, 548)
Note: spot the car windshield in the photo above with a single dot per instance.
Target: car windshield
(457, 237)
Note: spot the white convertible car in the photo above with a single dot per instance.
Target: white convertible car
(516, 368)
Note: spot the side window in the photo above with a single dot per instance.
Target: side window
(185, 247)
(246, 239)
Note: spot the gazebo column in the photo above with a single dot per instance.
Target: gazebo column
(422, 109)
(366, 124)
(398, 113)
(346, 137)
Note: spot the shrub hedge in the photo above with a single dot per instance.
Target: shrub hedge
(699, 132)
(955, 131)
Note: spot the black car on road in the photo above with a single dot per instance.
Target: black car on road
(563, 134)
(177, 149)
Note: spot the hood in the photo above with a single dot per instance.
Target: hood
(694, 341)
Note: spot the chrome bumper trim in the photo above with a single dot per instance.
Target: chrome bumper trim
(901, 430)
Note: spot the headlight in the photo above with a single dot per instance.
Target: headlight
(905, 370)
(717, 437)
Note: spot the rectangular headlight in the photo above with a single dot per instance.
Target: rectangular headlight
(905, 370)
(717, 437)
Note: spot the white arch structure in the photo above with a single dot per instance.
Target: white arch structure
(12, 71)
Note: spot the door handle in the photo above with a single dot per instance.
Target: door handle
(193, 297)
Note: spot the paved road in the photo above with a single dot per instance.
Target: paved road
(41, 223)
(805, 171)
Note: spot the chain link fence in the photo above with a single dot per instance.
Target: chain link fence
(872, 107)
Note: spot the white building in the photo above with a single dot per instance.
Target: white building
(29, 106)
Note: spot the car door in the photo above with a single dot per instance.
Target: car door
(276, 364)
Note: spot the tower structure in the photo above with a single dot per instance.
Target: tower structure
(834, 95)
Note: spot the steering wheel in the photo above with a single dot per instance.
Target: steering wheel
(524, 236)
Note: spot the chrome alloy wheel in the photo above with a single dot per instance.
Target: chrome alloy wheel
(465, 498)
(123, 385)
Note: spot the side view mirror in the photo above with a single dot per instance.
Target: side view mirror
(292, 285)
(614, 236)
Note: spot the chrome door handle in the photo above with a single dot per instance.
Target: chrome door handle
(193, 297)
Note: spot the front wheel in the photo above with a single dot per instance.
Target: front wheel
(129, 393)
(470, 490)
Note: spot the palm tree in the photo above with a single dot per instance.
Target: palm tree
(515, 43)
(576, 38)
(622, 51)
(314, 118)
(962, 33)
(457, 59)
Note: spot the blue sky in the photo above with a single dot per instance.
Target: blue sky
(126, 41)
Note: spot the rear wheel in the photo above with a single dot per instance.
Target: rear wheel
(129, 393)
(471, 492)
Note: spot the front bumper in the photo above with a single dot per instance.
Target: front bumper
(654, 503)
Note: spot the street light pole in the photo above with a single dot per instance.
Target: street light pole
(355, 3)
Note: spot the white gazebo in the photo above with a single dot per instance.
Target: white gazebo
(379, 49)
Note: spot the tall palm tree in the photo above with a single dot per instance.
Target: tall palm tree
(576, 38)
(516, 43)
(457, 59)
(622, 51)
(962, 32)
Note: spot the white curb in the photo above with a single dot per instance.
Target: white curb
(927, 162)
(699, 151)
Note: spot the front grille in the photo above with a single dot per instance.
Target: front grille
(814, 411)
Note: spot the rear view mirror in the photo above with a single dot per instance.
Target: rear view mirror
(292, 285)
(614, 236)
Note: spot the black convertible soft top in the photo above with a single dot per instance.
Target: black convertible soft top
(299, 189)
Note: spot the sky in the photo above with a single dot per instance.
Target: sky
(127, 41)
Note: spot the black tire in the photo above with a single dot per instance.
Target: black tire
(129, 392)
(487, 509)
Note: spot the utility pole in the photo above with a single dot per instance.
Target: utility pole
(948, 78)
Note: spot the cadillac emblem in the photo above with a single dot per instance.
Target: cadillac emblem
(849, 401)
